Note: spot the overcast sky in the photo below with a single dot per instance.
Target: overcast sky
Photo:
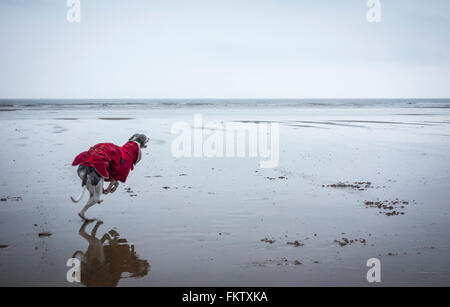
(224, 49)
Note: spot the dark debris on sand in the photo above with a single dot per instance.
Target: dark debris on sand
(390, 207)
(45, 234)
(279, 177)
(296, 243)
(11, 198)
(267, 240)
(344, 241)
(129, 191)
(283, 261)
(358, 185)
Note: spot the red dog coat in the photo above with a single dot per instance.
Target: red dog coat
(109, 160)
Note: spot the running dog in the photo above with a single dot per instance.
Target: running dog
(106, 162)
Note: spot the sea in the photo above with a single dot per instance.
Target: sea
(18, 104)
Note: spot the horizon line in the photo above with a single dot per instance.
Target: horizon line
(224, 98)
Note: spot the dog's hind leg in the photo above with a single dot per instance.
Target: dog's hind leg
(94, 230)
(91, 201)
(89, 204)
(95, 192)
(98, 191)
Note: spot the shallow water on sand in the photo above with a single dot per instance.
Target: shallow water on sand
(203, 221)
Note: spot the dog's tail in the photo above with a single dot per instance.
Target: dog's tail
(79, 196)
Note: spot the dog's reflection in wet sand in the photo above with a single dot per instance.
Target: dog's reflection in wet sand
(104, 264)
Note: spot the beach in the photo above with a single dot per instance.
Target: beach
(352, 183)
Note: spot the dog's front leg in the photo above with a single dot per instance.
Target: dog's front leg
(106, 237)
(110, 186)
(116, 185)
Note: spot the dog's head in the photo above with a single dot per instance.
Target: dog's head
(141, 139)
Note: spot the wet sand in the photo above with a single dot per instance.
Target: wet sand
(352, 184)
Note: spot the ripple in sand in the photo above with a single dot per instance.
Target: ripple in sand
(331, 123)
(116, 118)
(158, 142)
(59, 129)
(383, 122)
(9, 110)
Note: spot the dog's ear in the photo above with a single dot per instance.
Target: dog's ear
(142, 139)
(145, 140)
(133, 137)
